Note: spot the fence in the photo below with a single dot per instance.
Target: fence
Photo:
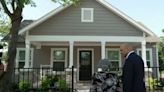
(41, 79)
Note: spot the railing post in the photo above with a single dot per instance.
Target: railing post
(72, 78)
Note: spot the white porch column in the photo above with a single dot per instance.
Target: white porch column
(102, 49)
(27, 54)
(143, 46)
(71, 53)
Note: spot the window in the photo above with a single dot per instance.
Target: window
(59, 59)
(20, 58)
(114, 57)
(148, 56)
(87, 14)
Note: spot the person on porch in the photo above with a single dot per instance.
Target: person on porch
(133, 70)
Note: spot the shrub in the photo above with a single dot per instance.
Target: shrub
(153, 83)
(63, 86)
(45, 83)
(48, 81)
(24, 86)
(53, 80)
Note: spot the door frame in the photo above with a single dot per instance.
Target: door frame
(92, 62)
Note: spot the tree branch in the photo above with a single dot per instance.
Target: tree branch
(20, 4)
(5, 8)
(13, 5)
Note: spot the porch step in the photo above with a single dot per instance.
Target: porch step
(82, 87)
(82, 90)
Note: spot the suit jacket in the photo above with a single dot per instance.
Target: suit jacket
(133, 74)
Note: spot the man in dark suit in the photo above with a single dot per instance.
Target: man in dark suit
(133, 70)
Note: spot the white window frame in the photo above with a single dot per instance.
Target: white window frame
(150, 53)
(17, 56)
(66, 59)
(82, 14)
(114, 49)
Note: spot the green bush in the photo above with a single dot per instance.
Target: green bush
(48, 81)
(45, 83)
(63, 86)
(153, 83)
(24, 86)
(53, 80)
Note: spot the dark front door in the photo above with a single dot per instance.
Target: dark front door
(85, 65)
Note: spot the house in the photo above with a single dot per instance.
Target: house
(82, 35)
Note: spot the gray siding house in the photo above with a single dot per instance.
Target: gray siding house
(81, 36)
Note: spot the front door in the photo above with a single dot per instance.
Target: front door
(85, 65)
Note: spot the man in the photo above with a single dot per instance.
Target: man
(133, 70)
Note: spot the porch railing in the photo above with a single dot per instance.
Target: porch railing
(43, 79)
(154, 79)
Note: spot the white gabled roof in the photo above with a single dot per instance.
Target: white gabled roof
(102, 2)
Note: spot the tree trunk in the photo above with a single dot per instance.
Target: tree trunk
(6, 79)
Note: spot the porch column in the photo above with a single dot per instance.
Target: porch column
(143, 46)
(27, 54)
(102, 49)
(71, 53)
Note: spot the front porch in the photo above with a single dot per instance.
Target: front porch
(74, 43)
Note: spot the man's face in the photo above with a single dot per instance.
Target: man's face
(123, 51)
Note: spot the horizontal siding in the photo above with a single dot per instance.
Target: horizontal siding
(43, 56)
(68, 22)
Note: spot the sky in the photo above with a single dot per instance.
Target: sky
(149, 12)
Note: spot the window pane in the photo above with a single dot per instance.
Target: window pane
(59, 55)
(30, 55)
(21, 64)
(85, 55)
(87, 15)
(140, 54)
(113, 55)
(58, 66)
(148, 63)
(22, 55)
(147, 55)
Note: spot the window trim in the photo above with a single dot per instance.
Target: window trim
(114, 49)
(151, 58)
(82, 14)
(17, 56)
(66, 58)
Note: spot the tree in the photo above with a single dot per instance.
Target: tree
(161, 53)
(13, 9)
